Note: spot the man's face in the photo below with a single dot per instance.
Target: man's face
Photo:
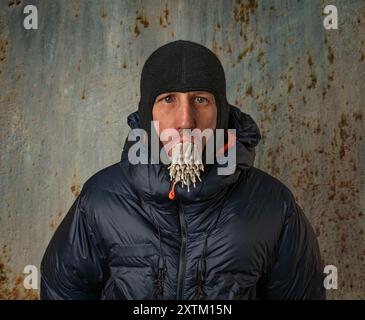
(185, 110)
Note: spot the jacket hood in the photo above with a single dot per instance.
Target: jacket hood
(153, 183)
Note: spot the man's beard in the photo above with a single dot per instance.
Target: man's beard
(186, 164)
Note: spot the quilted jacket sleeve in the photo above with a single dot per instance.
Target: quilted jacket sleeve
(297, 272)
(72, 266)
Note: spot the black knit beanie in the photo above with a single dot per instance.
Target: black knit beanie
(182, 66)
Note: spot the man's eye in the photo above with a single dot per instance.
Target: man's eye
(168, 99)
(201, 100)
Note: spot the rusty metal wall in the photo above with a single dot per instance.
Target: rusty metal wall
(66, 89)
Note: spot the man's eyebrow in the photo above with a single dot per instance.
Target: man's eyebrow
(190, 92)
(200, 92)
(166, 93)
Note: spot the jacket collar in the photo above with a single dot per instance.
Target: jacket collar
(152, 181)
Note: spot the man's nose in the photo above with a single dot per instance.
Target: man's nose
(186, 114)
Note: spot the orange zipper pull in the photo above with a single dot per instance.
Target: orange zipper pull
(172, 191)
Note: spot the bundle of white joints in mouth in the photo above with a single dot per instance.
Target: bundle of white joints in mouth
(186, 164)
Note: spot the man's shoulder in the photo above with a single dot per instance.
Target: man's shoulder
(265, 185)
(109, 179)
(267, 195)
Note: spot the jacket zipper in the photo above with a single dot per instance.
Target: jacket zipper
(180, 283)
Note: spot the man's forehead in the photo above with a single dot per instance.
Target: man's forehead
(187, 92)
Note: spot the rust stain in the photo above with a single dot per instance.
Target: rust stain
(362, 57)
(317, 129)
(164, 17)
(3, 44)
(249, 90)
(244, 9)
(244, 35)
(142, 20)
(357, 115)
(10, 288)
(75, 190)
(103, 13)
(13, 3)
(136, 31)
(342, 125)
(56, 220)
(313, 77)
(79, 65)
(324, 92)
(260, 56)
(75, 186)
(229, 49)
(18, 292)
(7, 98)
(244, 52)
(76, 7)
(83, 97)
(272, 157)
(330, 55)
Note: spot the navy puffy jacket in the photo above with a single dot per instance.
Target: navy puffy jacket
(239, 236)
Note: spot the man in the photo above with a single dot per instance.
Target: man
(137, 232)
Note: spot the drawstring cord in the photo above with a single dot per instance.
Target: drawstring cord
(162, 268)
(172, 191)
(201, 270)
(200, 293)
